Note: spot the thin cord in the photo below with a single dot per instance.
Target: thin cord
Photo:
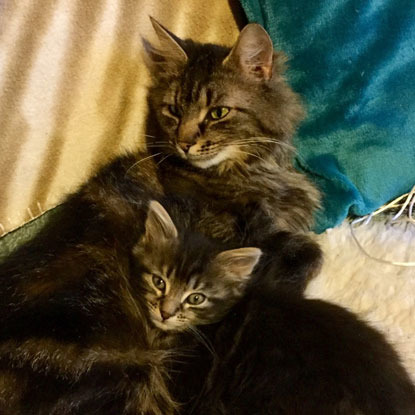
(406, 203)
(409, 201)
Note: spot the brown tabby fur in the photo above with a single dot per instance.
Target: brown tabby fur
(264, 114)
(82, 329)
(254, 199)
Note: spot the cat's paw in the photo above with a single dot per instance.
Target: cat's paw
(292, 260)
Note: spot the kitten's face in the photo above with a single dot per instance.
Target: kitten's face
(183, 282)
(218, 106)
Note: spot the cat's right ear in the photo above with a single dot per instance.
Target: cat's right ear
(238, 263)
(159, 228)
(253, 53)
(169, 55)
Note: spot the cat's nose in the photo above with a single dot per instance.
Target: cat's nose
(165, 315)
(185, 146)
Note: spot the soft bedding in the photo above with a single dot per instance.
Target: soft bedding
(353, 61)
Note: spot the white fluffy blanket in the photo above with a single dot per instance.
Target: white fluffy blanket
(381, 294)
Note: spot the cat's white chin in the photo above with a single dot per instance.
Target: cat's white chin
(206, 162)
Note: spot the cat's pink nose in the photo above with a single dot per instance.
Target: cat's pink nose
(184, 146)
(165, 315)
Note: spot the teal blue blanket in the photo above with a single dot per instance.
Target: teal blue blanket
(353, 61)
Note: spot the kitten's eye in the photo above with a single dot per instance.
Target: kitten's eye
(159, 283)
(195, 299)
(173, 110)
(219, 112)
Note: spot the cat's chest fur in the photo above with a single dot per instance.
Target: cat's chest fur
(280, 193)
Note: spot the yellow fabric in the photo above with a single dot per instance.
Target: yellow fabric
(73, 85)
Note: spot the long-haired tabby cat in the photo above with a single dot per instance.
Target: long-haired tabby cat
(258, 200)
(221, 125)
(92, 332)
(279, 354)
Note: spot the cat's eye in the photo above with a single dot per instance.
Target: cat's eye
(219, 112)
(195, 299)
(173, 110)
(159, 283)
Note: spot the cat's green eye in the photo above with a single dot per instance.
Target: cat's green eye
(159, 283)
(195, 299)
(173, 110)
(219, 112)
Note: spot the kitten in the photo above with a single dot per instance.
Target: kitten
(281, 354)
(94, 334)
(221, 123)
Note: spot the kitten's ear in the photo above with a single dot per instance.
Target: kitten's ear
(158, 227)
(169, 53)
(239, 263)
(253, 52)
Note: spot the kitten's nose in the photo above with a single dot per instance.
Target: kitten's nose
(165, 315)
(184, 146)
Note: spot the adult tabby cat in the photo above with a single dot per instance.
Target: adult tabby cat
(221, 123)
(280, 354)
(244, 201)
(98, 340)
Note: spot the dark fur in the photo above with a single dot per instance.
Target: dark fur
(70, 341)
(279, 354)
(62, 314)
(77, 332)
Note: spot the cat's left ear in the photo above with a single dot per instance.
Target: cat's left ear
(159, 227)
(238, 263)
(169, 54)
(253, 52)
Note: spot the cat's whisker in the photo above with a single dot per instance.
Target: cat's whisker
(275, 141)
(263, 141)
(163, 159)
(202, 339)
(141, 160)
(251, 154)
(261, 146)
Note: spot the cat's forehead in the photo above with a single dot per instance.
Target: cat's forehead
(183, 265)
(196, 94)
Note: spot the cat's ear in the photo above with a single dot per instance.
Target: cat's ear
(159, 227)
(169, 54)
(253, 52)
(238, 263)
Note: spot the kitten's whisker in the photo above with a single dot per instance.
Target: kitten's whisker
(159, 146)
(202, 339)
(141, 160)
(160, 141)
